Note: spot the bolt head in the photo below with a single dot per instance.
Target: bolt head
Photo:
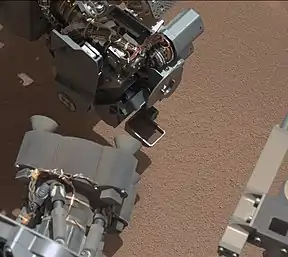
(257, 201)
(249, 219)
(85, 252)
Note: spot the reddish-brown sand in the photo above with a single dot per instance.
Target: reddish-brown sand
(234, 90)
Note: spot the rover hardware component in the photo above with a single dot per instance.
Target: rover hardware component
(261, 219)
(77, 192)
(117, 54)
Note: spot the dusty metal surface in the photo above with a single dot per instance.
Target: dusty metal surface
(233, 92)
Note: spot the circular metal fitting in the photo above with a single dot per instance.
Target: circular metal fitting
(99, 7)
(64, 99)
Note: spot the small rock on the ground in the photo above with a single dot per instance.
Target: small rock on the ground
(25, 79)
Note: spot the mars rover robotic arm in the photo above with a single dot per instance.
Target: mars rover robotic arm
(116, 54)
(261, 219)
(77, 192)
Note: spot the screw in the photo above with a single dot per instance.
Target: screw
(85, 253)
(234, 254)
(166, 90)
(221, 249)
(257, 201)
(249, 219)
(257, 239)
(283, 250)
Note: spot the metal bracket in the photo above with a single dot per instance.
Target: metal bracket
(144, 128)
(260, 219)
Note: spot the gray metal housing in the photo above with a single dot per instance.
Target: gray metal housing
(261, 219)
(104, 164)
(182, 30)
(22, 241)
(78, 69)
(105, 179)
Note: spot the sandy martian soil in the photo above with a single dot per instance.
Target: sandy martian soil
(235, 88)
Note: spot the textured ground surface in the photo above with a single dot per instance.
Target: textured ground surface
(233, 91)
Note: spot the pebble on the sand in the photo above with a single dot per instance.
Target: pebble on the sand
(25, 79)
